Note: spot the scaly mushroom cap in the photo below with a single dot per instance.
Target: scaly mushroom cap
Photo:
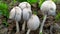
(24, 5)
(33, 23)
(49, 8)
(15, 13)
(27, 13)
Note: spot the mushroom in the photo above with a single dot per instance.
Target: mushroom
(24, 5)
(27, 13)
(26, 10)
(15, 14)
(33, 23)
(48, 8)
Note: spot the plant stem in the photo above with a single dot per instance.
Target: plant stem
(17, 27)
(41, 28)
(28, 31)
(23, 26)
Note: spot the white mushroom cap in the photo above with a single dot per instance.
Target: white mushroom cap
(15, 13)
(24, 5)
(27, 13)
(49, 8)
(33, 23)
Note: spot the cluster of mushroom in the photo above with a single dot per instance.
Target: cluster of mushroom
(24, 10)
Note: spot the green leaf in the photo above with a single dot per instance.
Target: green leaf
(6, 13)
(57, 17)
(14, 0)
(40, 3)
(4, 9)
(54, 1)
(22, 0)
(32, 1)
(1, 13)
(3, 6)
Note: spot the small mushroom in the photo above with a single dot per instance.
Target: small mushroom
(33, 23)
(24, 5)
(27, 13)
(48, 8)
(15, 14)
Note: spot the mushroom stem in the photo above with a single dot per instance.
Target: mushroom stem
(41, 28)
(28, 31)
(17, 27)
(23, 26)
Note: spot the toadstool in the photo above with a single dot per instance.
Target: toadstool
(48, 8)
(26, 12)
(15, 14)
(33, 23)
